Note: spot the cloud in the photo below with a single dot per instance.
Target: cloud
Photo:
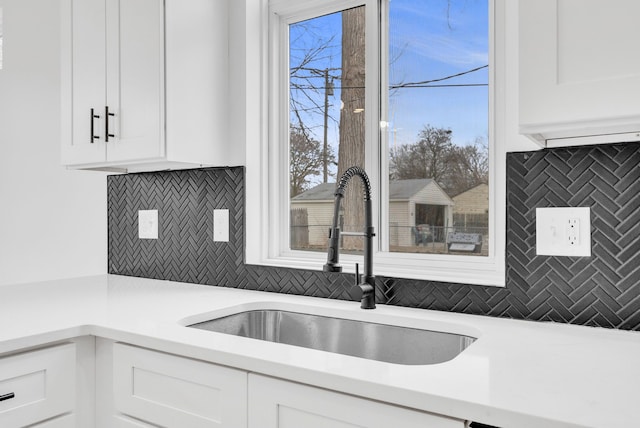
(446, 50)
(458, 37)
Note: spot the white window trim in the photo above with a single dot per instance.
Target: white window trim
(267, 230)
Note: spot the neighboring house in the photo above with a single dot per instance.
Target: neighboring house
(411, 203)
(317, 206)
(471, 209)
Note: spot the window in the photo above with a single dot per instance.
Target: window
(436, 123)
(327, 102)
(405, 89)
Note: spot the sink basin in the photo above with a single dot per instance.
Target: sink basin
(381, 342)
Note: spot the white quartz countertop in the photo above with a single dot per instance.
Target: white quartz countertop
(517, 374)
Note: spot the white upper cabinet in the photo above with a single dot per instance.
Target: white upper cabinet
(579, 71)
(144, 84)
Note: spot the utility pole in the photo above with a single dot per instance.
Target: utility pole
(328, 90)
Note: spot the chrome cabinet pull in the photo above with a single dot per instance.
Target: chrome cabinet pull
(93, 136)
(107, 135)
(8, 396)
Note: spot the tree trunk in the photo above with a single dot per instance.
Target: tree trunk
(351, 151)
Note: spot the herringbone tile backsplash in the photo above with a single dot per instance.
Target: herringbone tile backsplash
(602, 290)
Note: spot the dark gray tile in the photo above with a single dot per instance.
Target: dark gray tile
(603, 290)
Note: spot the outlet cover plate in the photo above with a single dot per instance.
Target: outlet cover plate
(148, 224)
(221, 225)
(564, 231)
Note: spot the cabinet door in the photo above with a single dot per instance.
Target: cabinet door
(37, 385)
(83, 73)
(176, 392)
(579, 70)
(135, 79)
(276, 403)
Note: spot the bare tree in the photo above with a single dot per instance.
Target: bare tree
(429, 157)
(351, 151)
(470, 166)
(311, 84)
(454, 168)
(306, 160)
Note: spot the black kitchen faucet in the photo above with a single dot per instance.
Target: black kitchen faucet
(367, 282)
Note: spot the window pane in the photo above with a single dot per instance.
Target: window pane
(326, 125)
(437, 126)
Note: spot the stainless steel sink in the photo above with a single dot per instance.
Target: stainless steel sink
(381, 342)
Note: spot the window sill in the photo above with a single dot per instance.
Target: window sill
(477, 270)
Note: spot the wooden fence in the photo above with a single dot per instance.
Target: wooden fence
(299, 222)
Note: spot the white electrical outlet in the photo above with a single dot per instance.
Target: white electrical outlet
(148, 224)
(573, 231)
(563, 231)
(221, 225)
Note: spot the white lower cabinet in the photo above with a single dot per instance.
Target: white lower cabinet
(275, 403)
(143, 388)
(38, 385)
(170, 391)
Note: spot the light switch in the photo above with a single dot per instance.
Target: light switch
(564, 231)
(221, 225)
(148, 224)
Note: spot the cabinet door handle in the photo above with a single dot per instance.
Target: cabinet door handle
(8, 396)
(107, 114)
(93, 136)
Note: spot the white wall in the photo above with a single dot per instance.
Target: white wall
(52, 221)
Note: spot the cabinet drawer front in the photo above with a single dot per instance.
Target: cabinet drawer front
(37, 385)
(179, 392)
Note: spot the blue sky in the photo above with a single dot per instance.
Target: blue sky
(429, 39)
(432, 40)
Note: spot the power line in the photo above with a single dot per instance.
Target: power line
(426, 82)
(439, 86)
(421, 84)
(460, 85)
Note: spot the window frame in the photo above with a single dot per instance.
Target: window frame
(267, 159)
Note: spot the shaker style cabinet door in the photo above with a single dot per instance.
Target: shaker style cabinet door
(579, 68)
(38, 385)
(83, 80)
(275, 403)
(112, 80)
(135, 79)
(175, 392)
(145, 85)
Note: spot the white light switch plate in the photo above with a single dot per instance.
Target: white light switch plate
(563, 231)
(148, 224)
(221, 225)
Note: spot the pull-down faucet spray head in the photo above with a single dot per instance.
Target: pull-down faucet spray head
(367, 284)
